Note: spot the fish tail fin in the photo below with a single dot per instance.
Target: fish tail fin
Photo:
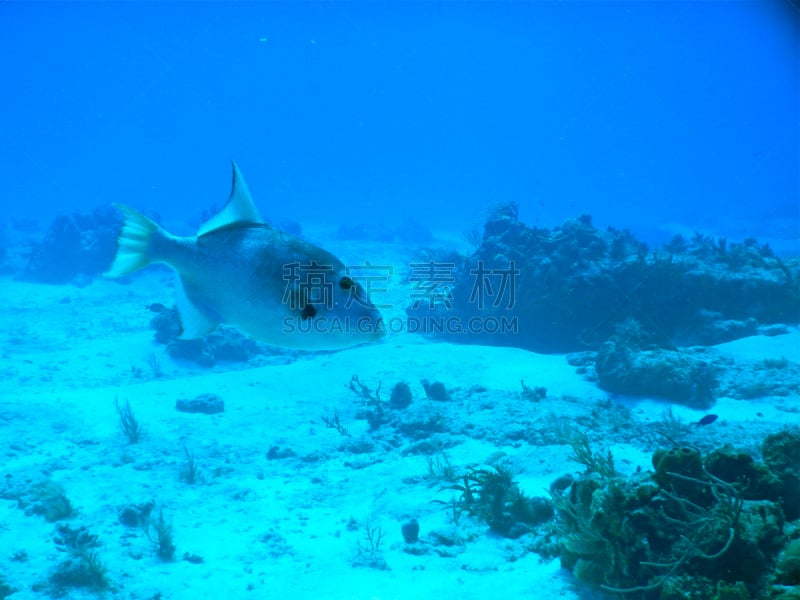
(134, 243)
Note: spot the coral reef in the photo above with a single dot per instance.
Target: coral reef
(630, 363)
(75, 248)
(128, 424)
(209, 404)
(781, 452)
(159, 532)
(44, 497)
(788, 569)
(493, 496)
(401, 396)
(415, 422)
(568, 287)
(625, 365)
(83, 568)
(6, 590)
(410, 531)
(435, 390)
(136, 515)
(223, 344)
(707, 526)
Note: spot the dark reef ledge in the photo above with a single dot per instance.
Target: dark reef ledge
(574, 285)
(565, 289)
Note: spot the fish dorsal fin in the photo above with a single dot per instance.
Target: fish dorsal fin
(238, 209)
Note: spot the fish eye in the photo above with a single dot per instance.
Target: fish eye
(308, 311)
(346, 283)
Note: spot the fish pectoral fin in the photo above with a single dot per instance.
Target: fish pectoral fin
(239, 208)
(195, 322)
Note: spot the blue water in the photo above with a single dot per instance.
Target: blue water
(661, 117)
(640, 113)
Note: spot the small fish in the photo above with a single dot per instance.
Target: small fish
(240, 271)
(707, 420)
(156, 307)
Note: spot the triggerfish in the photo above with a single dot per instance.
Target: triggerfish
(240, 271)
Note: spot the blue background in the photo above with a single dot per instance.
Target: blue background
(641, 113)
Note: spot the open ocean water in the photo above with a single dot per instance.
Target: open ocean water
(494, 298)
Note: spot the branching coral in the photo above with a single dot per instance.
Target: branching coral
(650, 531)
(595, 462)
(698, 528)
(494, 497)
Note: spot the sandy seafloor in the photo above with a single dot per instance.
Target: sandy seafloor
(291, 527)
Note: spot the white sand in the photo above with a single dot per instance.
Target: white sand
(279, 528)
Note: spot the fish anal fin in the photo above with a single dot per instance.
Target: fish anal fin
(239, 208)
(195, 322)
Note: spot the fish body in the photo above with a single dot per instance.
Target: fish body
(707, 420)
(240, 271)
